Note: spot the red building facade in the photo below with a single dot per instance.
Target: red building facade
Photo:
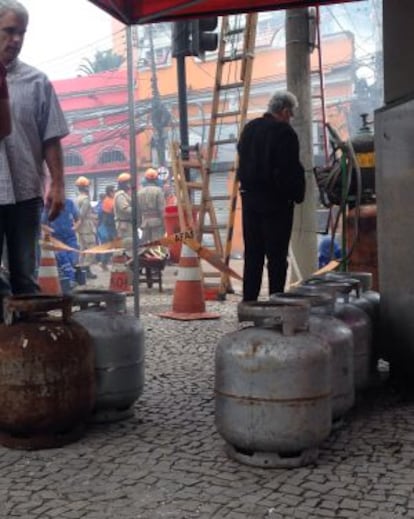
(96, 109)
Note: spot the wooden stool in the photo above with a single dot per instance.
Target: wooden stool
(151, 271)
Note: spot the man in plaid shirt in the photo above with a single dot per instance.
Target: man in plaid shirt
(38, 125)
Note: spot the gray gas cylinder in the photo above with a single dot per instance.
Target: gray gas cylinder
(368, 300)
(339, 337)
(356, 294)
(118, 341)
(273, 401)
(357, 320)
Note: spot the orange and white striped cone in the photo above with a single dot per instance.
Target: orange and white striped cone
(120, 280)
(188, 301)
(48, 277)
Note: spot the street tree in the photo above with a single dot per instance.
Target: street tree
(104, 60)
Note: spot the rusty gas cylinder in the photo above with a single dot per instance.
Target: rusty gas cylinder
(273, 387)
(47, 385)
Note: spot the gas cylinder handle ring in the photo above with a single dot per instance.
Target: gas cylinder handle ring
(112, 301)
(346, 277)
(343, 288)
(271, 314)
(21, 305)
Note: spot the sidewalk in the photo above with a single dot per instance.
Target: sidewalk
(168, 460)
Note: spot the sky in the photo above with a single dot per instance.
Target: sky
(63, 32)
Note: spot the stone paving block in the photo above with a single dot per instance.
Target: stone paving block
(289, 499)
(291, 489)
(349, 504)
(348, 514)
(219, 498)
(311, 502)
(73, 515)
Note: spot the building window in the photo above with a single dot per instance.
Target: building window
(72, 158)
(111, 155)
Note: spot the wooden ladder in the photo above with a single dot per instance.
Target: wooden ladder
(318, 95)
(195, 207)
(319, 105)
(229, 107)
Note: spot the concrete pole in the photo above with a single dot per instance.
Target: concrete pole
(304, 237)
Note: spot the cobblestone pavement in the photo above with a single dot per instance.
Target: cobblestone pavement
(169, 462)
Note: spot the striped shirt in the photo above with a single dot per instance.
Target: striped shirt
(3, 82)
(6, 185)
(36, 117)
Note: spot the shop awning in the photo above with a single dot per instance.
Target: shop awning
(147, 11)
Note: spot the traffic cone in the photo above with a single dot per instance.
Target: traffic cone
(48, 277)
(120, 280)
(188, 301)
(211, 292)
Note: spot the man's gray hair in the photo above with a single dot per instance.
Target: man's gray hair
(281, 100)
(14, 6)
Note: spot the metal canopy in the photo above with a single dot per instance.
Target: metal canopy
(145, 11)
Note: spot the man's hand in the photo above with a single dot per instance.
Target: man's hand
(55, 200)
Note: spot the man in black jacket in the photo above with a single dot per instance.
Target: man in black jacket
(272, 180)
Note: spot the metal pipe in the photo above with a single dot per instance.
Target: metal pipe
(133, 168)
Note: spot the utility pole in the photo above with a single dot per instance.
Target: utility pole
(304, 237)
(180, 51)
(190, 38)
(160, 115)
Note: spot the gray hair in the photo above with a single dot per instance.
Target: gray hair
(281, 100)
(14, 6)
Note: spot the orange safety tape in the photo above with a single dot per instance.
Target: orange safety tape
(110, 246)
(211, 258)
(53, 244)
(170, 239)
(186, 237)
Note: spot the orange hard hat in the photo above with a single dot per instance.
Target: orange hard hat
(151, 174)
(82, 182)
(124, 177)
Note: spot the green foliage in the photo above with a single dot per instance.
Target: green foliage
(104, 60)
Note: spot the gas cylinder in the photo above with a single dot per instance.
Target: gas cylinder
(273, 387)
(354, 296)
(363, 144)
(368, 300)
(47, 383)
(118, 341)
(364, 292)
(364, 255)
(339, 337)
(357, 320)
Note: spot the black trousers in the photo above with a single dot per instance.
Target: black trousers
(266, 234)
(20, 228)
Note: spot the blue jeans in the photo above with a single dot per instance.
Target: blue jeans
(20, 229)
(105, 234)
